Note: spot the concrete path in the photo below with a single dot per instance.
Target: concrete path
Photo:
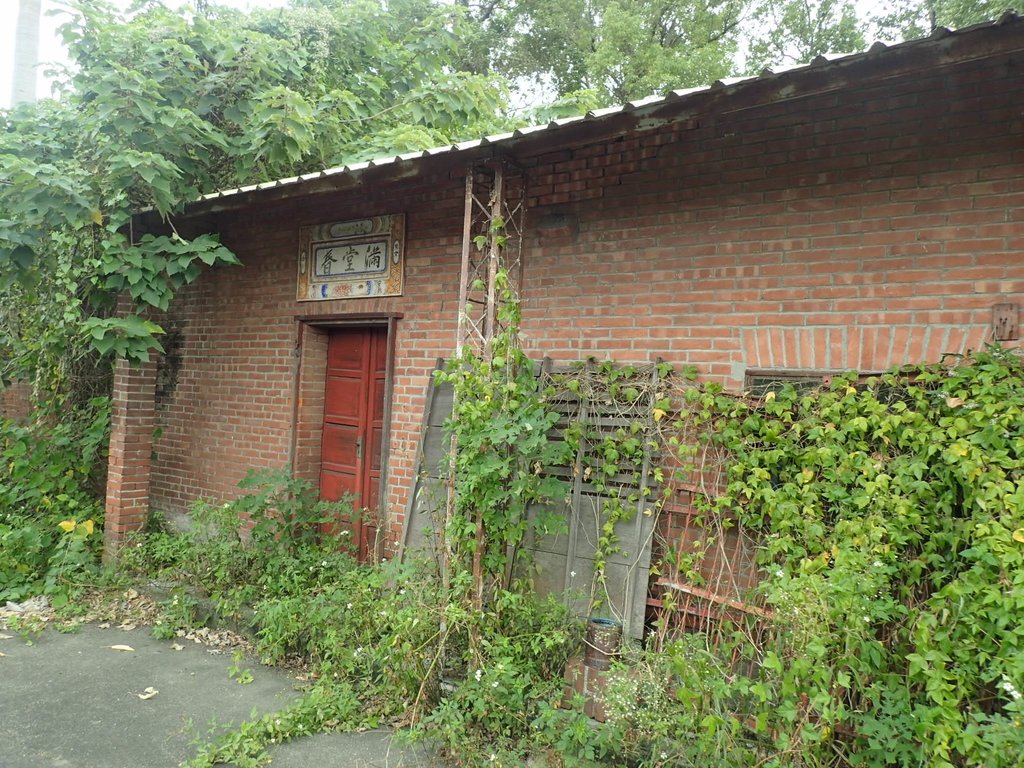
(72, 701)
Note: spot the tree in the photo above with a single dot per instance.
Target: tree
(795, 31)
(909, 19)
(618, 49)
(165, 105)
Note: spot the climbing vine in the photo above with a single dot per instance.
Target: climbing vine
(500, 426)
(611, 428)
(887, 516)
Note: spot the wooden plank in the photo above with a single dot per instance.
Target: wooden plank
(416, 526)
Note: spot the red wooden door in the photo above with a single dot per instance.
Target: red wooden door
(354, 427)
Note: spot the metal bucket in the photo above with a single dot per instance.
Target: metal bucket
(602, 642)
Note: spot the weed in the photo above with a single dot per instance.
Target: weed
(242, 676)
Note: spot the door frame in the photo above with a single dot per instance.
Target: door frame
(309, 385)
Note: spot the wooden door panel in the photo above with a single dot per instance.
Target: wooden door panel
(340, 448)
(346, 351)
(344, 399)
(334, 485)
(373, 448)
(374, 498)
(377, 403)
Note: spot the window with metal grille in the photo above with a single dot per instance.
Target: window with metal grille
(759, 383)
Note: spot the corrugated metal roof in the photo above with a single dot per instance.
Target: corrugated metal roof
(822, 62)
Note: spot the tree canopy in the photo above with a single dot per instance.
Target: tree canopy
(163, 105)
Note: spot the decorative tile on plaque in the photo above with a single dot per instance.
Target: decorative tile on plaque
(352, 259)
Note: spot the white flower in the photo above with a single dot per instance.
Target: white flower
(572, 574)
(349, 606)
(779, 574)
(494, 684)
(877, 563)
(493, 758)
(479, 674)
(1010, 689)
(323, 564)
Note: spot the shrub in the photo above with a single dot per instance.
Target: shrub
(51, 515)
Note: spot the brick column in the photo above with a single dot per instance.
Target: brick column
(132, 421)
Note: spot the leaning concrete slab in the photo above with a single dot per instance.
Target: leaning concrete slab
(73, 701)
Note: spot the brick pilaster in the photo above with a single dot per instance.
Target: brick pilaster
(132, 421)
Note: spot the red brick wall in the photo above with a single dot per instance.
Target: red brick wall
(856, 229)
(16, 401)
(132, 424)
(852, 230)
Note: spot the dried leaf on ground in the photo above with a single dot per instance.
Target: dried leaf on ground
(147, 694)
(122, 648)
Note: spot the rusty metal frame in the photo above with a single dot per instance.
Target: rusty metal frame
(492, 235)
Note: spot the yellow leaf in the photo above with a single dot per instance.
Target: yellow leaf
(769, 397)
(67, 525)
(1018, 535)
(97, 217)
(89, 525)
(122, 648)
(851, 390)
(658, 414)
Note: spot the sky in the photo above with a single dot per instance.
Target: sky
(49, 47)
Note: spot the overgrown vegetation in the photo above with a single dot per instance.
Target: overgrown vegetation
(385, 643)
(50, 516)
(888, 523)
(885, 629)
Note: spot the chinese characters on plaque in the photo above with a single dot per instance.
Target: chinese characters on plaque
(352, 259)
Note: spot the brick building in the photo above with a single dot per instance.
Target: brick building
(854, 213)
